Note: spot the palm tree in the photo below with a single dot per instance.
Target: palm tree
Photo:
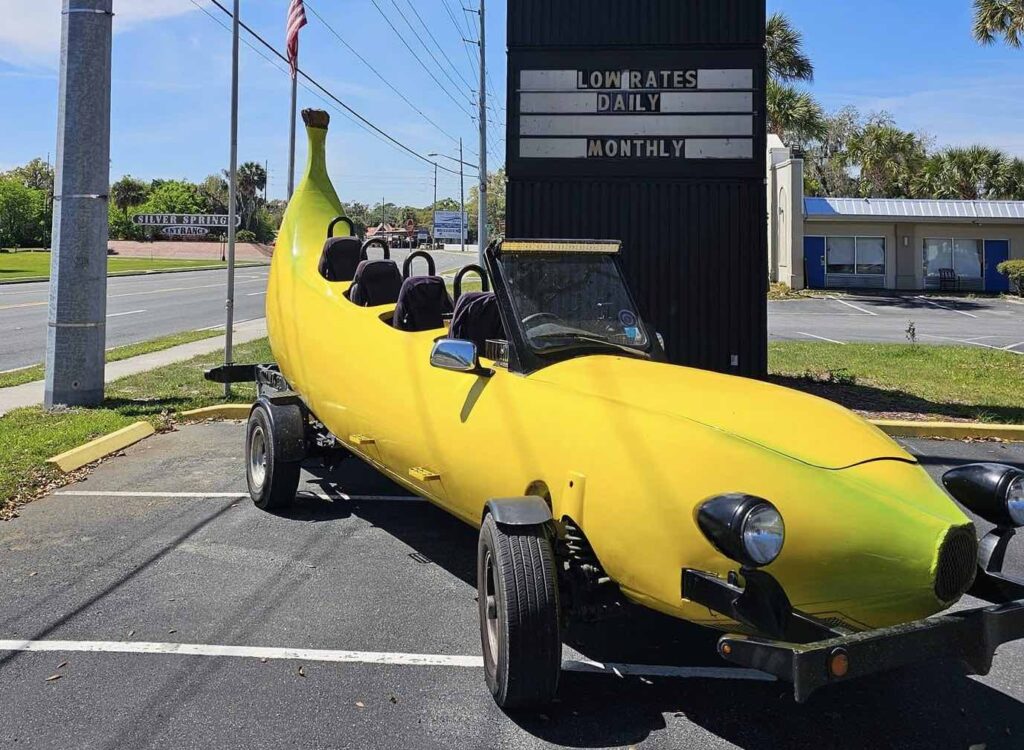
(128, 192)
(252, 179)
(794, 115)
(999, 18)
(890, 159)
(785, 46)
(971, 173)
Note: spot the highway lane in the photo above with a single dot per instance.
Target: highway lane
(140, 308)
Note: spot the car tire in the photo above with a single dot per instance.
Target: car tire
(517, 589)
(272, 483)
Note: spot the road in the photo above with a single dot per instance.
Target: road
(140, 308)
(985, 323)
(367, 580)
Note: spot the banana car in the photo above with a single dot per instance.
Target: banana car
(542, 411)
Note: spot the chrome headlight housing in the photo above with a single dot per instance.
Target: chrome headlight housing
(744, 528)
(993, 491)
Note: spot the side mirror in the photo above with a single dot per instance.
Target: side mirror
(457, 355)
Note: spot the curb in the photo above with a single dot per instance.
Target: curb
(222, 411)
(96, 449)
(953, 430)
(156, 272)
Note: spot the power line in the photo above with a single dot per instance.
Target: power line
(434, 40)
(458, 34)
(417, 58)
(377, 73)
(330, 94)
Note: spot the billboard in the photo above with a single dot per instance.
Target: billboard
(447, 225)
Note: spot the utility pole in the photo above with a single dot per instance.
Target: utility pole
(383, 214)
(482, 202)
(462, 196)
(76, 331)
(232, 198)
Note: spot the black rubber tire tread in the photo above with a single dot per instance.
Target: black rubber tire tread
(282, 477)
(529, 658)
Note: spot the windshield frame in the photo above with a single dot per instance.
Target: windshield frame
(525, 358)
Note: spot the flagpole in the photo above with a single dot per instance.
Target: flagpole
(291, 139)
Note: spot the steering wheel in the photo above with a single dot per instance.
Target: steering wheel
(532, 321)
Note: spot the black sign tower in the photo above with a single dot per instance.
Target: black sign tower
(643, 120)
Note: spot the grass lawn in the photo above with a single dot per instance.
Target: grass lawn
(35, 372)
(16, 266)
(938, 382)
(30, 436)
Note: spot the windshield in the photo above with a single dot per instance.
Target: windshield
(573, 300)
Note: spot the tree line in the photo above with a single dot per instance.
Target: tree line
(852, 154)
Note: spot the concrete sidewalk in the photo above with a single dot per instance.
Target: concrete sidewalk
(31, 394)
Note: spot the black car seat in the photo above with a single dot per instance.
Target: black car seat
(477, 319)
(423, 300)
(341, 255)
(376, 282)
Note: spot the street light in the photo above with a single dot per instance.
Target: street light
(462, 192)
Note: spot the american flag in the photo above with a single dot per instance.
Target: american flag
(296, 20)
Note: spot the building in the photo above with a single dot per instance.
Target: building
(874, 243)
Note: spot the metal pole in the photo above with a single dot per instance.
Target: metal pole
(291, 139)
(433, 209)
(232, 197)
(482, 207)
(462, 195)
(76, 331)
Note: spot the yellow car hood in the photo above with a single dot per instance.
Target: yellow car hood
(806, 428)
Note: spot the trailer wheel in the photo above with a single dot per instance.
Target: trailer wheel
(272, 482)
(519, 616)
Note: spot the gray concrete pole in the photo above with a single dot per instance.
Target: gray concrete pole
(291, 138)
(76, 334)
(232, 200)
(482, 202)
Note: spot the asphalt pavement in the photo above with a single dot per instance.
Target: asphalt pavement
(140, 308)
(980, 322)
(177, 615)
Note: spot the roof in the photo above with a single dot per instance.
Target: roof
(925, 210)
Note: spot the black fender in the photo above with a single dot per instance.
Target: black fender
(519, 511)
(288, 425)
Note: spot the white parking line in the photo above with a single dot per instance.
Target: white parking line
(1011, 347)
(370, 657)
(969, 342)
(822, 338)
(943, 307)
(254, 294)
(848, 304)
(118, 315)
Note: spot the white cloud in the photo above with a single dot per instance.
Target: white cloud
(30, 35)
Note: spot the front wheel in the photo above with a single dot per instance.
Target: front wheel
(272, 482)
(517, 588)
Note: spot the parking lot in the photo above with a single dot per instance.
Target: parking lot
(843, 319)
(153, 605)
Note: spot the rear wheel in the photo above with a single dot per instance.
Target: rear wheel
(272, 482)
(519, 615)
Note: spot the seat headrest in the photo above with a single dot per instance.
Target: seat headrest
(477, 319)
(422, 304)
(376, 282)
(340, 258)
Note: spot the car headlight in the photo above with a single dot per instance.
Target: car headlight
(1015, 500)
(744, 528)
(993, 491)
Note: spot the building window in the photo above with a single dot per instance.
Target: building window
(860, 256)
(964, 258)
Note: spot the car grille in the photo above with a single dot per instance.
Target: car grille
(957, 564)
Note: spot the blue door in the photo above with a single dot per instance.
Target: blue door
(996, 251)
(814, 262)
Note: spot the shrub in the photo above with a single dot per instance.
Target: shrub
(244, 235)
(1014, 270)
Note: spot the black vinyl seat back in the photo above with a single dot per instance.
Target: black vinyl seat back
(477, 319)
(340, 258)
(376, 282)
(422, 304)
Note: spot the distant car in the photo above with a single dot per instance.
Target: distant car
(543, 412)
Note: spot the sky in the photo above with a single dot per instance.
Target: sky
(171, 84)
